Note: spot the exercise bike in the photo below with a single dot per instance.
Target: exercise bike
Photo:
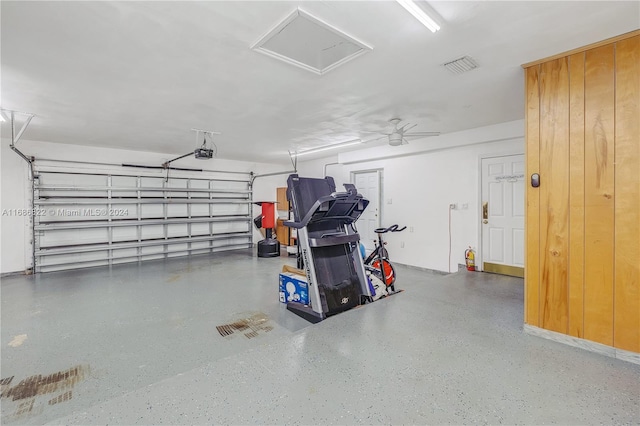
(377, 264)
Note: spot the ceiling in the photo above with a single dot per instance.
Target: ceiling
(140, 75)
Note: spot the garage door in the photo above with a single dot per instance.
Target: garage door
(88, 217)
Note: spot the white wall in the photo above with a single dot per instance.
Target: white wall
(420, 180)
(15, 234)
(315, 168)
(14, 230)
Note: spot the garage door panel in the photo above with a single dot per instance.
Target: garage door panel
(124, 211)
(152, 250)
(152, 232)
(149, 211)
(75, 258)
(200, 210)
(59, 238)
(177, 210)
(180, 230)
(200, 245)
(231, 209)
(125, 233)
(125, 254)
(200, 229)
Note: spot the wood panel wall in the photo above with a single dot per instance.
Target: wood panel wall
(627, 201)
(554, 193)
(576, 195)
(582, 275)
(532, 215)
(599, 193)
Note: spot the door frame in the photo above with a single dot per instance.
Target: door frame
(479, 255)
(380, 172)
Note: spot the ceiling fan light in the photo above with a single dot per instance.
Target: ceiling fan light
(395, 139)
(419, 14)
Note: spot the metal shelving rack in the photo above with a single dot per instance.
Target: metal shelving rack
(121, 217)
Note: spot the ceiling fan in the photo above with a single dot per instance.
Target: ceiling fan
(399, 134)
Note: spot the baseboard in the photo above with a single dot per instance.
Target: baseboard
(13, 274)
(588, 345)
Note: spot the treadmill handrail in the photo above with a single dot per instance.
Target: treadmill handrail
(298, 225)
(334, 240)
(333, 197)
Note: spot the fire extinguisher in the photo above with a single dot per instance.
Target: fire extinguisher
(470, 259)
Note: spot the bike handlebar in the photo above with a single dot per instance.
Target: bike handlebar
(392, 228)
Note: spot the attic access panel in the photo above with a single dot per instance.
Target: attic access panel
(309, 43)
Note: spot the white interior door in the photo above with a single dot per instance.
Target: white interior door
(503, 214)
(368, 184)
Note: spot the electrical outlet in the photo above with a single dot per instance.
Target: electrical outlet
(402, 244)
(465, 206)
(389, 201)
(411, 229)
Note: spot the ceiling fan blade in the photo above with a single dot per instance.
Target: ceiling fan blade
(405, 128)
(375, 133)
(422, 134)
(376, 139)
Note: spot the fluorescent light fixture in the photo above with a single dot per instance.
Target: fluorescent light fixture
(419, 14)
(328, 147)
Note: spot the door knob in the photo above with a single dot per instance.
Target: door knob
(485, 221)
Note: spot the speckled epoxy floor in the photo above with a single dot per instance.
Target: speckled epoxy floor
(449, 349)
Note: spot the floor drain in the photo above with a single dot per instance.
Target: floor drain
(253, 325)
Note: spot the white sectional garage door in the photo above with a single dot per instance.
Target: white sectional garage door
(86, 216)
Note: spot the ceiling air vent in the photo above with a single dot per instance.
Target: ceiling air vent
(461, 65)
(309, 43)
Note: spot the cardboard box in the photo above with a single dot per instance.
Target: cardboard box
(293, 288)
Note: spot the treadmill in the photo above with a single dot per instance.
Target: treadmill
(328, 245)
